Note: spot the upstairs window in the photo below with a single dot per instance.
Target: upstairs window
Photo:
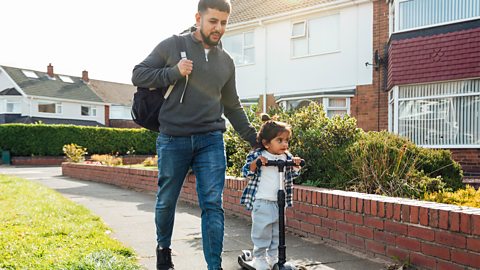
(315, 36)
(49, 107)
(241, 48)
(88, 111)
(411, 14)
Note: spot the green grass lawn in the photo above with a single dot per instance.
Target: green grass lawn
(41, 229)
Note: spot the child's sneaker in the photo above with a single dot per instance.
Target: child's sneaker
(260, 263)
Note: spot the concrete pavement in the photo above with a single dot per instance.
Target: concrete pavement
(130, 214)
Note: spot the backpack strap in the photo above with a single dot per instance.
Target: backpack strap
(180, 42)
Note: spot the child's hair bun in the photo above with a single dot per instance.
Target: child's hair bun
(265, 117)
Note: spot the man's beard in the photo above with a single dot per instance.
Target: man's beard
(207, 39)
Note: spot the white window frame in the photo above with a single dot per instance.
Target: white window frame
(92, 111)
(325, 104)
(394, 23)
(305, 35)
(19, 106)
(393, 111)
(327, 107)
(244, 48)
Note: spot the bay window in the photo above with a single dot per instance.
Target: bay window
(443, 115)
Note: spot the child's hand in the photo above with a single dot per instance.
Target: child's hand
(253, 165)
(297, 161)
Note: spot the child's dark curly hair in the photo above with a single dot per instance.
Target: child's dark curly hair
(271, 129)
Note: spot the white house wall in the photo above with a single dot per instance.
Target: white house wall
(70, 110)
(287, 75)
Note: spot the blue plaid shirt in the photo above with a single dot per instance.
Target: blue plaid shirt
(248, 196)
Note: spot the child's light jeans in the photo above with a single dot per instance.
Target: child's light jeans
(265, 232)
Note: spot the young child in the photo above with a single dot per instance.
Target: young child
(260, 195)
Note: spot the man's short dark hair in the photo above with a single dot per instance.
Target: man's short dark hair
(221, 5)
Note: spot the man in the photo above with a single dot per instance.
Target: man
(191, 125)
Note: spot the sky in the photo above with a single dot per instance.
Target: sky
(105, 37)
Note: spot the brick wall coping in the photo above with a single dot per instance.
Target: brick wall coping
(427, 234)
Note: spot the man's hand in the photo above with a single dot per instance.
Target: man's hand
(185, 67)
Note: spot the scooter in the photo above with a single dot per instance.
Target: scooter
(246, 259)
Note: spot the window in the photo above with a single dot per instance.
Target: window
(66, 79)
(315, 36)
(411, 14)
(49, 107)
(13, 107)
(438, 115)
(88, 111)
(336, 106)
(241, 48)
(46, 108)
(30, 74)
(331, 105)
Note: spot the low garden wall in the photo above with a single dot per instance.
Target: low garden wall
(56, 161)
(429, 235)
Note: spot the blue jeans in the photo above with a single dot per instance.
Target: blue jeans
(205, 154)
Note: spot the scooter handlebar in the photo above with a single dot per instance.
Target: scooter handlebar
(280, 163)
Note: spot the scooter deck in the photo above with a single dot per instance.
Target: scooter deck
(245, 264)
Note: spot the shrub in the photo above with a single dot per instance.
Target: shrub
(236, 148)
(386, 164)
(464, 197)
(341, 156)
(108, 160)
(74, 153)
(150, 161)
(437, 162)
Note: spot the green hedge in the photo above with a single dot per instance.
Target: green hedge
(48, 140)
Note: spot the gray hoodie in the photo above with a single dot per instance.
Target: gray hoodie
(210, 92)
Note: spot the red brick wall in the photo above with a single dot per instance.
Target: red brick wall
(370, 104)
(442, 57)
(469, 159)
(37, 161)
(107, 115)
(429, 235)
(41, 161)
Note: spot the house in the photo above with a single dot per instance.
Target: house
(119, 96)
(316, 50)
(29, 96)
(433, 80)
(411, 67)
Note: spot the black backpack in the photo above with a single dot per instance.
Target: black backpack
(147, 103)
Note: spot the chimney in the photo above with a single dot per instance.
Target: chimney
(85, 76)
(50, 70)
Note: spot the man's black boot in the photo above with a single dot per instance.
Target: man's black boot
(164, 259)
